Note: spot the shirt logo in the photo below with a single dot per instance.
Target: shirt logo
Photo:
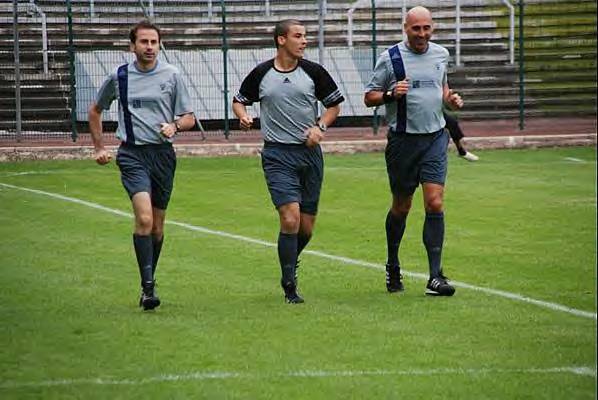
(286, 80)
(417, 84)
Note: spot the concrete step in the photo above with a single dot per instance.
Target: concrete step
(514, 113)
(33, 101)
(58, 113)
(47, 125)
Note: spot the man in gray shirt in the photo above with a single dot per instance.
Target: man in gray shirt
(288, 88)
(154, 106)
(410, 78)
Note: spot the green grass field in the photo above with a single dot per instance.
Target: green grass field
(520, 246)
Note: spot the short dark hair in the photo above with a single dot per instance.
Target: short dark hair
(144, 24)
(282, 28)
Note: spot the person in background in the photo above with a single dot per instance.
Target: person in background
(452, 126)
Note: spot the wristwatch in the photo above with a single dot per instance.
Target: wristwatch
(388, 96)
(322, 126)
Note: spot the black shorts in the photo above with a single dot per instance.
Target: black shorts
(148, 168)
(412, 159)
(294, 174)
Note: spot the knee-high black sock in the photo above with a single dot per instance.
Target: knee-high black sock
(395, 228)
(460, 149)
(433, 237)
(287, 255)
(157, 246)
(302, 241)
(144, 252)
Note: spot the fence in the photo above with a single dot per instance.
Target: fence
(61, 51)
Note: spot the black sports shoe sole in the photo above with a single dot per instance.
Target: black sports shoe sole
(149, 303)
(294, 300)
(395, 289)
(449, 293)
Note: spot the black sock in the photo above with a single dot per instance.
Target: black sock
(460, 149)
(433, 237)
(395, 227)
(144, 252)
(302, 241)
(157, 246)
(287, 255)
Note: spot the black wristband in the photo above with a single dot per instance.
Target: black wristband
(387, 97)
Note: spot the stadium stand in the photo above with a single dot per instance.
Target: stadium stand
(560, 58)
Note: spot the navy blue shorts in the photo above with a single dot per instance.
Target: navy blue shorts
(148, 168)
(294, 174)
(412, 159)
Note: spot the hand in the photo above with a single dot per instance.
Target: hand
(102, 157)
(245, 122)
(401, 88)
(454, 100)
(168, 129)
(314, 136)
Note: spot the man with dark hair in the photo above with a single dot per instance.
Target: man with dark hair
(288, 88)
(410, 78)
(144, 24)
(153, 106)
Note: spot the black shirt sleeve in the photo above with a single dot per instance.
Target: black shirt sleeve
(326, 90)
(249, 92)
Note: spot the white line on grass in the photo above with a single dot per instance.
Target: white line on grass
(221, 375)
(579, 160)
(9, 174)
(346, 260)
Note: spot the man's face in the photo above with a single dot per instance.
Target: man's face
(419, 28)
(294, 42)
(146, 46)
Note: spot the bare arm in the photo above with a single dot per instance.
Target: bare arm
(245, 120)
(95, 127)
(184, 122)
(376, 98)
(451, 99)
(330, 115)
(315, 134)
(373, 98)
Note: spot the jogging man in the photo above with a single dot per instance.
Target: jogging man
(410, 78)
(288, 88)
(454, 130)
(154, 106)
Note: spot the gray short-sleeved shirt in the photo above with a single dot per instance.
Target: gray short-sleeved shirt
(154, 97)
(288, 99)
(427, 76)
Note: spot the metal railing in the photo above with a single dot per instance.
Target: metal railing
(362, 3)
(511, 31)
(149, 14)
(33, 8)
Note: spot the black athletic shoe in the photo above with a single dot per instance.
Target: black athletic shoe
(394, 279)
(439, 286)
(149, 298)
(290, 293)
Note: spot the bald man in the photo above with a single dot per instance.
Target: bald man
(410, 79)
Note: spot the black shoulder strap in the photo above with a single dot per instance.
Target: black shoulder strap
(397, 62)
(123, 86)
(399, 71)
